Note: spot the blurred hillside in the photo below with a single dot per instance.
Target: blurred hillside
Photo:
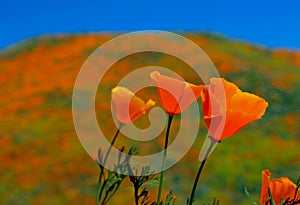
(43, 162)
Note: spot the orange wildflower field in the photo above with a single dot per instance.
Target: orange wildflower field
(43, 162)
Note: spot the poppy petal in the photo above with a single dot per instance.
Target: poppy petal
(175, 95)
(235, 107)
(137, 109)
(281, 188)
(266, 174)
(248, 103)
(122, 98)
(190, 94)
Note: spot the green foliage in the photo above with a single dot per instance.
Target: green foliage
(110, 181)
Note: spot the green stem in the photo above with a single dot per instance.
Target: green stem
(111, 145)
(99, 187)
(212, 143)
(163, 162)
(136, 195)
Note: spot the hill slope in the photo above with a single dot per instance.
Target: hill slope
(42, 161)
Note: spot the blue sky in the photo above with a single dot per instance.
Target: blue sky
(275, 24)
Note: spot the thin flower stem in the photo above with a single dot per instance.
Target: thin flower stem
(111, 144)
(136, 195)
(163, 162)
(99, 187)
(212, 143)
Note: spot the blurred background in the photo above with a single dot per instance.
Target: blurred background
(44, 44)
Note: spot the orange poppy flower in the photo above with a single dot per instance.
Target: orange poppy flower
(122, 99)
(281, 188)
(233, 108)
(175, 95)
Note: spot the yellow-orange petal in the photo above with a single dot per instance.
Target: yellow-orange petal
(211, 105)
(248, 103)
(281, 188)
(244, 108)
(175, 95)
(265, 182)
(220, 86)
(235, 121)
(136, 109)
(127, 106)
(234, 108)
(169, 90)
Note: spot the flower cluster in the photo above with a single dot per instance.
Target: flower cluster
(226, 110)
